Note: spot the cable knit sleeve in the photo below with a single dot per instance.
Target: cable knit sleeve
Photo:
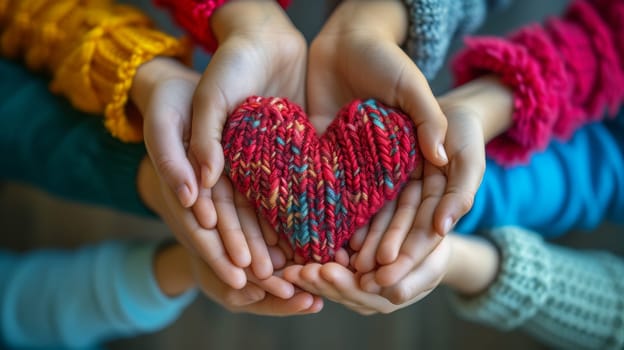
(92, 48)
(566, 299)
(563, 73)
(434, 23)
(194, 17)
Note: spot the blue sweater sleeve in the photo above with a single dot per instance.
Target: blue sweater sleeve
(79, 298)
(45, 142)
(572, 185)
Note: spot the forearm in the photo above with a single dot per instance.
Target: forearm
(486, 98)
(384, 19)
(207, 21)
(473, 264)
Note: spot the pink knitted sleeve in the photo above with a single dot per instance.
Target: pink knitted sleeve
(194, 17)
(563, 73)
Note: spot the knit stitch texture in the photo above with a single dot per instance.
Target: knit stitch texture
(317, 191)
(92, 49)
(434, 23)
(565, 298)
(564, 74)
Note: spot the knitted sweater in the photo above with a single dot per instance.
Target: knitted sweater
(572, 185)
(566, 299)
(433, 24)
(564, 73)
(112, 292)
(92, 49)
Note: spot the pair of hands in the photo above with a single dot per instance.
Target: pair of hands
(356, 55)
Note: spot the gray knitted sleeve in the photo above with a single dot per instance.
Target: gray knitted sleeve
(565, 298)
(434, 23)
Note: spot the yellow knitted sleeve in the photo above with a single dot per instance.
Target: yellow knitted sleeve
(92, 48)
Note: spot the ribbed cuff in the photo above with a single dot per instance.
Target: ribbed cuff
(97, 74)
(521, 286)
(431, 24)
(529, 65)
(194, 17)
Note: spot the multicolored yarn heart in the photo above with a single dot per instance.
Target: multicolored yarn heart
(318, 191)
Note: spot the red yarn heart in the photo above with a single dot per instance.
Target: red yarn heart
(318, 191)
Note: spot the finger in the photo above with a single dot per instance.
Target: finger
(261, 264)
(465, 173)
(166, 133)
(357, 240)
(213, 287)
(407, 207)
(270, 235)
(205, 243)
(342, 257)
(220, 90)
(229, 225)
(346, 285)
(415, 98)
(274, 285)
(415, 248)
(420, 241)
(204, 209)
(421, 280)
(301, 303)
(366, 260)
(278, 258)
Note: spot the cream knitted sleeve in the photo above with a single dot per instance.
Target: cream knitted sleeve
(565, 298)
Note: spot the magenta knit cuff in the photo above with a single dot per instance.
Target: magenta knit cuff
(535, 103)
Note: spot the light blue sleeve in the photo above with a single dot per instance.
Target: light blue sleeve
(54, 298)
(573, 185)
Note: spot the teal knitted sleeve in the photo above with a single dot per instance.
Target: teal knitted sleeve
(434, 23)
(47, 143)
(565, 298)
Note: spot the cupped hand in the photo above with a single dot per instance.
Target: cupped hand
(402, 234)
(260, 52)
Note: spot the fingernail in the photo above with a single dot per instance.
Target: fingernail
(205, 176)
(446, 225)
(442, 153)
(184, 195)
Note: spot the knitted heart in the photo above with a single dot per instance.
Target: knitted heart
(318, 191)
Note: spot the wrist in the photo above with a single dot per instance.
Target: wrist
(473, 265)
(487, 99)
(153, 72)
(384, 19)
(249, 19)
(172, 269)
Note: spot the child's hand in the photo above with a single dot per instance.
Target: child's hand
(341, 285)
(476, 113)
(400, 241)
(357, 55)
(162, 91)
(260, 52)
(176, 271)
